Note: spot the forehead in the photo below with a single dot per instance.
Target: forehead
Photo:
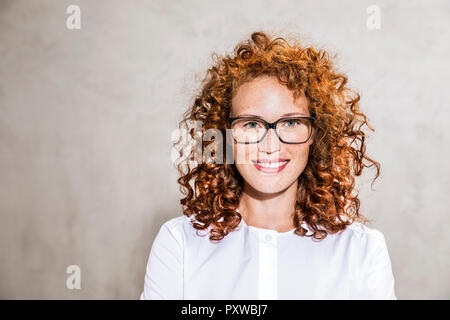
(266, 97)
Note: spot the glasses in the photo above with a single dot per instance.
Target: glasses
(292, 130)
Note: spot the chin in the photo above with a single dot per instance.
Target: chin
(268, 185)
(267, 190)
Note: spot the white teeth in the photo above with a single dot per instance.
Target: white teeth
(272, 165)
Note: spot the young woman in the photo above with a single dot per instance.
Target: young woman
(280, 220)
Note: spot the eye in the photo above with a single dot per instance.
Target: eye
(292, 123)
(250, 123)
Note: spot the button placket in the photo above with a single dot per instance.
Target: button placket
(268, 265)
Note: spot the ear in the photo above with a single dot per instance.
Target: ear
(313, 133)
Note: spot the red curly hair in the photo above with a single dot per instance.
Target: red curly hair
(325, 198)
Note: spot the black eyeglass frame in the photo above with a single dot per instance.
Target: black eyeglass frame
(272, 125)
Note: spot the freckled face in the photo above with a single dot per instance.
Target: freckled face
(267, 98)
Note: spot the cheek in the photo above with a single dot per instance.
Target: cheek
(244, 153)
(298, 156)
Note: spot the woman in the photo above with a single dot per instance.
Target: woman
(283, 220)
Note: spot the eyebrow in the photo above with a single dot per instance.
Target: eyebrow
(283, 115)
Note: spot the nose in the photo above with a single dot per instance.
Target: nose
(270, 143)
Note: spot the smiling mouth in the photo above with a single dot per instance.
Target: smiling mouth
(270, 167)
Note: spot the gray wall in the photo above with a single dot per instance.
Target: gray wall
(86, 117)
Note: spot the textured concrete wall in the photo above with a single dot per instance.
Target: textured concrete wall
(86, 117)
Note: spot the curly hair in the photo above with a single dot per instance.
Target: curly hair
(326, 198)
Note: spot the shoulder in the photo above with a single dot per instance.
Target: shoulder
(372, 264)
(177, 223)
(363, 232)
(176, 228)
(370, 241)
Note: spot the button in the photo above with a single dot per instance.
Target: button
(268, 237)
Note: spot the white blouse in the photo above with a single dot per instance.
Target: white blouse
(255, 263)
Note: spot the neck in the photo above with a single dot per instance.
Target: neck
(268, 210)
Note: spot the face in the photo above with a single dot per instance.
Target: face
(267, 98)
